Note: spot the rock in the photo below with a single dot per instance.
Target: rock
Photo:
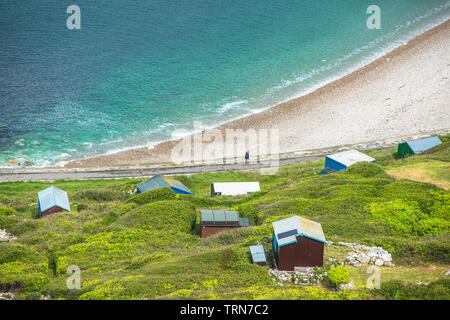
(12, 163)
(5, 236)
(367, 255)
(364, 259)
(386, 257)
(28, 163)
(6, 295)
(379, 262)
(346, 286)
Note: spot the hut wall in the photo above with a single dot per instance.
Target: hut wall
(50, 211)
(305, 253)
(207, 231)
(333, 164)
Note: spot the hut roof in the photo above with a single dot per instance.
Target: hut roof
(421, 145)
(163, 182)
(287, 230)
(219, 218)
(244, 222)
(257, 253)
(235, 188)
(52, 197)
(350, 157)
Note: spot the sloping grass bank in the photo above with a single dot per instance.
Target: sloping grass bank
(147, 246)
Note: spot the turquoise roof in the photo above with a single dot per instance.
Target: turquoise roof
(257, 253)
(219, 217)
(52, 197)
(244, 222)
(158, 181)
(421, 145)
(287, 230)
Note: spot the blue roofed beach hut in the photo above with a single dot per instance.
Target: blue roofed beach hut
(343, 160)
(52, 200)
(163, 182)
(258, 255)
(417, 146)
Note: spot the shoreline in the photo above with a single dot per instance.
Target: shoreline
(288, 114)
(317, 120)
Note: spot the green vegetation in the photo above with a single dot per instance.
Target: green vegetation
(338, 276)
(147, 246)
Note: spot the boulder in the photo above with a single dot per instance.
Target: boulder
(346, 286)
(379, 262)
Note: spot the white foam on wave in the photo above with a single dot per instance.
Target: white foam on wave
(364, 62)
(231, 105)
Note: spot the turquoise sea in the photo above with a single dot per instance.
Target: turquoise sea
(138, 70)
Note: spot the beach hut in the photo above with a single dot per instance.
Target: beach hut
(244, 222)
(417, 146)
(298, 242)
(343, 160)
(52, 200)
(233, 188)
(215, 221)
(158, 181)
(258, 255)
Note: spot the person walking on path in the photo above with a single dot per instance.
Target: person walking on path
(247, 158)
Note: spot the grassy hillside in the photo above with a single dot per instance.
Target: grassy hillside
(148, 246)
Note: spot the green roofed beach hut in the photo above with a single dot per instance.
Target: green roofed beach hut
(215, 221)
(417, 146)
(298, 242)
(258, 255)
(52, 200)
(162, 182)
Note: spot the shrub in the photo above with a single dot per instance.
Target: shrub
(162, 215)
(33, 296)
(7, 222)
(437, 290)
(97, 195)
(234, 258)
(366, 170)
(432, 249)
(27, 276)
(15, 251)
(153, 196)
(7, 211)
(338, 276)
(52, 262)
(391, 289)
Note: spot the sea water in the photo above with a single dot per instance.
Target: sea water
(137, 70)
